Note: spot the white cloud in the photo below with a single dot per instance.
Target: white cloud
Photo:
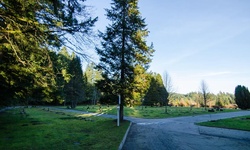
(216, 73)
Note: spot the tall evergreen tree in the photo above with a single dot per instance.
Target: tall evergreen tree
(74, 89)
(157, 93)
(242, 97)
(123, 47)
(61, 63)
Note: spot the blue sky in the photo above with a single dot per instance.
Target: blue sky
(195, 40)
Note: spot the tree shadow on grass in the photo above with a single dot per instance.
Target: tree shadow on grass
(69, 118)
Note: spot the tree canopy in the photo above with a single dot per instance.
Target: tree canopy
(29, 30)
(123, 47)
(242, 97)
(157, 93)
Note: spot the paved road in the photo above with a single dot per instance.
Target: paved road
(182, 134)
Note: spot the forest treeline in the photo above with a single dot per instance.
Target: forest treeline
(155, 93)
(42, 47)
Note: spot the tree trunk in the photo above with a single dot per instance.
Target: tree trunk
(73, 104)
(166, 107)
(123, 65)
(205, 102)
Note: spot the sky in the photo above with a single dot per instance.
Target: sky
(195, 40)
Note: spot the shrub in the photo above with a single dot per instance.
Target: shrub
(242, 97)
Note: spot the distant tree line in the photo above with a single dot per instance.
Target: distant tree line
(197, 99)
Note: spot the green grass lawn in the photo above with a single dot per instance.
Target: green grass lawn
(150, 112)
(43, 129)
(238, 123)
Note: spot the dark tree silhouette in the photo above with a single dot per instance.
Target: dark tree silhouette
(242, 97)
(204, 91)
(157, 93)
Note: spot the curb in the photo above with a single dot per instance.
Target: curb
(125, 137)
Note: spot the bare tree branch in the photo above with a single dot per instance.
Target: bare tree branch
(204, 91)
(168, 82)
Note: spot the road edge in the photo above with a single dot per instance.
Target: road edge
(224, 133)
(124, 137)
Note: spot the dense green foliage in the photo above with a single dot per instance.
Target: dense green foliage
(69, 83)
(123, 48)
(157, 93)
(29, 30)
(242, 97)
(139, 86)
(74, 89)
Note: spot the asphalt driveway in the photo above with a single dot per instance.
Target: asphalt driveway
(182, 134)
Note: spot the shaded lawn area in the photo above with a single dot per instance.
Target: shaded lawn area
(149, 112)
(43, 129)
(238, 123)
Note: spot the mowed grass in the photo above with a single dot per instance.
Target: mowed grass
(238, 123)
(43, 129)
(150, 112)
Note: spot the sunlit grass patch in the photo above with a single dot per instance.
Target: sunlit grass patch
(149, 112)
(84, 115)
(238, 123)
(43, 129)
